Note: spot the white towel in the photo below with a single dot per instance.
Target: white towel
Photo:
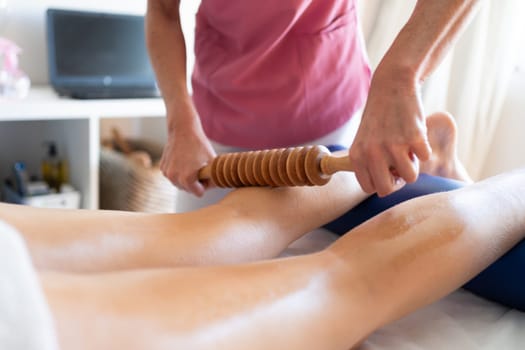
(25, 319)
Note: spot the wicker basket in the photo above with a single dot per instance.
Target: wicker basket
(131, 185)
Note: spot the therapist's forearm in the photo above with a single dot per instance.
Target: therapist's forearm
(167, 50)
(427, 36)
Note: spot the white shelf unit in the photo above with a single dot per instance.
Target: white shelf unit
(25, 125)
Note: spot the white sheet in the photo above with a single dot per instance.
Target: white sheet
(25, 321)
(460, 321)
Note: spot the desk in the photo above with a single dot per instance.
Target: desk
(73, 124)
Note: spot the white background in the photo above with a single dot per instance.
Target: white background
(23, 22)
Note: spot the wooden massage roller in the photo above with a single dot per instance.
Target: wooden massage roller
(297, 166)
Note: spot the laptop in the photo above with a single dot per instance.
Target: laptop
(98, 55)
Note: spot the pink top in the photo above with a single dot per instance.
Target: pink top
(274, 73)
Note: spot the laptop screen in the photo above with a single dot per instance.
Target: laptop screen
(97, 49)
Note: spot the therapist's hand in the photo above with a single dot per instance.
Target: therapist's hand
(392, 136)
(187, 150)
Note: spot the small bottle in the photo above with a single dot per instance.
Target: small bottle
(54, 169)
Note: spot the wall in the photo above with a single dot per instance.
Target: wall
(23, 21)
(507, 149)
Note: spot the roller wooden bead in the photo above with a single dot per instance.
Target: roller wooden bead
(298, 166)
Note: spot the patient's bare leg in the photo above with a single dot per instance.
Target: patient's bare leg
(249, 224)
(403, 259)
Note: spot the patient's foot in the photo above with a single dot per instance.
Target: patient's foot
(442, 136)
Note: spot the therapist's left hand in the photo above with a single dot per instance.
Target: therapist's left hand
(392, 137)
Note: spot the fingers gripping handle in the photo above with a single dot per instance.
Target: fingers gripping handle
(298, 166)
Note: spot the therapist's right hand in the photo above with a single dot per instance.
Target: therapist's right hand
(186, 152)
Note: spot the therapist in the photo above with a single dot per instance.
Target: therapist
(280, 73)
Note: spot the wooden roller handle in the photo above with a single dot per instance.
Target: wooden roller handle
(205, 173)
(330, 164)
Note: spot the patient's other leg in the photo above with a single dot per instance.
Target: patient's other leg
(401, 260)
(249, 224)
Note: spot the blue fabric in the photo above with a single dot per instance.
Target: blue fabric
(502, 282)
(374, 205)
